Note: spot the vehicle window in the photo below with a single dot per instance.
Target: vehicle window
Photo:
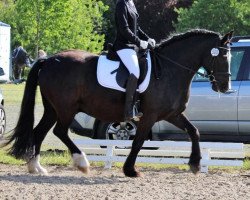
(198, 77)
(236, 59)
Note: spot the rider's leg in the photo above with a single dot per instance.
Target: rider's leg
(130, 60)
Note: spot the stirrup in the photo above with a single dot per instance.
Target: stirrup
(135, 115)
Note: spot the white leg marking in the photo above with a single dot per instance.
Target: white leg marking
(81, 162)
(34, 166)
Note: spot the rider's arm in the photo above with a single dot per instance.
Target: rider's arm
(142, 35)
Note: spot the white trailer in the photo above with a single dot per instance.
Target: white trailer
(5, 53)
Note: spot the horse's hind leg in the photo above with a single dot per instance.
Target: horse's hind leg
(183, 123)
(40, 131)
(79, 158)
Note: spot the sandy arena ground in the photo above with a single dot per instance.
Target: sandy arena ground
(169, 184)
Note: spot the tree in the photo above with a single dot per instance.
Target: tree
(57, 25)
(221, 16)
(157, 17)
(109, 22)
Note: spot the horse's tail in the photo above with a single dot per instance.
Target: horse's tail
(22, 136)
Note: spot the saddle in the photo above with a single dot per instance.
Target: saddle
(112, 73)
(142, 58)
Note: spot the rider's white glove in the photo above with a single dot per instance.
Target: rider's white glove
(143, 44)
(151, 42)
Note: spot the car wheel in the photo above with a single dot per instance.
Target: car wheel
(116, 131)
(2, 121)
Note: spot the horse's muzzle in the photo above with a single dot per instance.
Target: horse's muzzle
(220, 87)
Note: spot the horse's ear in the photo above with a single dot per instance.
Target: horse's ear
(226, 38)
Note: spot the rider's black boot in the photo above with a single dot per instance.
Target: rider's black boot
(130, 112)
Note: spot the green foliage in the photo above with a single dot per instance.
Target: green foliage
(109, 21)
(55, 25)
(221, 16)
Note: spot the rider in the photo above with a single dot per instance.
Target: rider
(42, 54)
(129, 38)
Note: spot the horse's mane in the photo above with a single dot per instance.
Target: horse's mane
(180, 36)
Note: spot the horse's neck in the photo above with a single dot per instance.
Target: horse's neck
(186, 56)
(178, 65)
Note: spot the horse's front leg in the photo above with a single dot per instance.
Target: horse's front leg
(183, 123)
(142, 133)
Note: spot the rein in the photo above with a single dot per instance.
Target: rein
(178, 64)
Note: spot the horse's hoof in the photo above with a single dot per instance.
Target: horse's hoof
(42, 172)
(84, 170)
(132, 173)
(81, 162)
(194, 168)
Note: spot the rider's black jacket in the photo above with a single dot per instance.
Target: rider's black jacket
(128, 33)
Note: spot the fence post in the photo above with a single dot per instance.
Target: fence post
(205, 156)
(109, 154)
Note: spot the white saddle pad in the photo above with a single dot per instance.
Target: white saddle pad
(108, 79)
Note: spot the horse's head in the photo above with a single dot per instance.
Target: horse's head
(218, 64)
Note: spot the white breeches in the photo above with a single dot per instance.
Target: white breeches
(130, 60)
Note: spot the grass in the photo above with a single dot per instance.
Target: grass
(52, 158)
(63, 158)
(13, 93)
(246, 164)
(7, 159)
(47, 158)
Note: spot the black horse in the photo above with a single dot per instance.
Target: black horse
(69, 85)
(20, 59)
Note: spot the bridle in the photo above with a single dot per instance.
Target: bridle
(210, 75)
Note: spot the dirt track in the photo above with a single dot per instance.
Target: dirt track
(67, 183)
